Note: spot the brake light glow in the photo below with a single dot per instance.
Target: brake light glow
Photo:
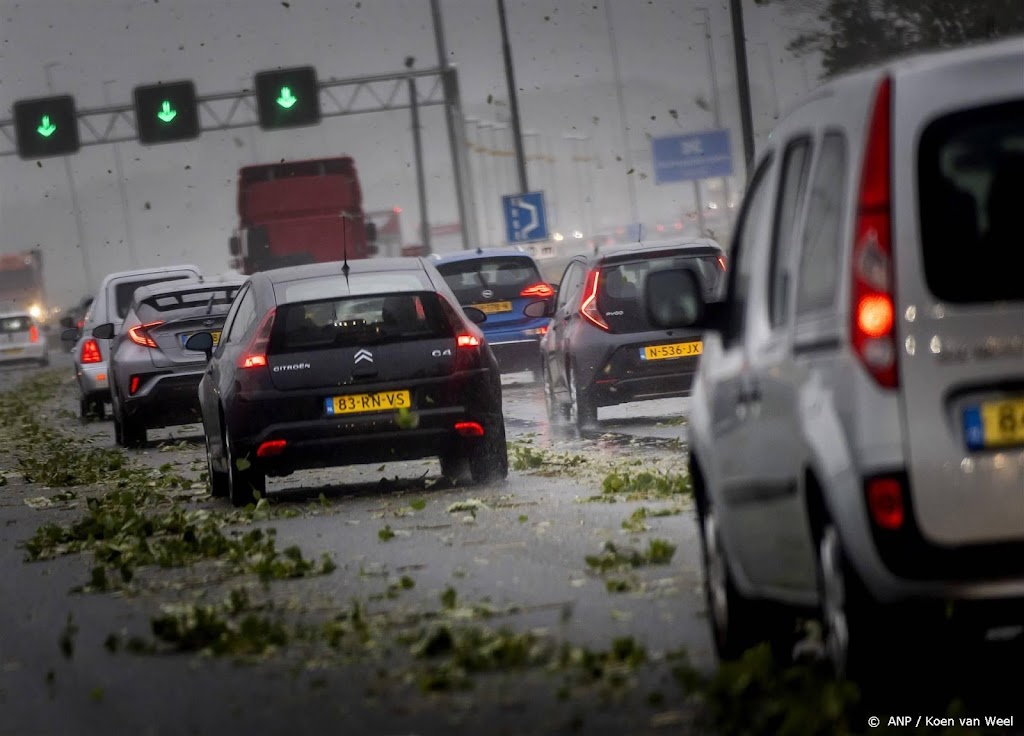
(467, 341)
(271, 448)
(873, 312)
(885, 502)
(33, 333)
(588, 308)
(133, 385)
(255, 355)
(721, 262)
(91, 351)
(540, 290)
(469, 429)
(139, 334)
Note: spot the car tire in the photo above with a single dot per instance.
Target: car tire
(90, 409)
(118, 430)
(454, 467)
(738, 622)
(557, 412)
(488, 459)
(44, 362)
(582, 411)
(217, 480)
(243, 483)
(133, 432)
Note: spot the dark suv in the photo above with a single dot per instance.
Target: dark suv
(601, 349)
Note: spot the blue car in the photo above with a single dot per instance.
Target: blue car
(501, 282)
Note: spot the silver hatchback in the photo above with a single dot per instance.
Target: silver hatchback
(857, 417)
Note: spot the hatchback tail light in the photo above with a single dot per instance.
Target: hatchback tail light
(33, 333)
(885, 503)
(469, 429)
(271, 448)
(721, 262)
(91, 351)
(873, 311)
(133, 385)
(540, 290)
(588, 307)
(255, 356)
(139, 334)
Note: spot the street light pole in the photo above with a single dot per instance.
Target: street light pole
(717, 111)
(417, 145)
(513, 100)
(79, 226)
(129, 238)
(628, 157)
(739, 39)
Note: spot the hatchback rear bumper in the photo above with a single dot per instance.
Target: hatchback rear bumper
(165, 400)
(611, 391)
(517, 354)
(11, 353)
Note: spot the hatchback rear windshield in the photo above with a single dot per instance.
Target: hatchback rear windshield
(504, 277)
(125, 291)
(971, 175)
(15, 324)
(620, 289)
(358, 320)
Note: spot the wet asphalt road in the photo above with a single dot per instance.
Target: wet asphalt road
(525, 547)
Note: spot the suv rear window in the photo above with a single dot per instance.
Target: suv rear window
(971, 176)
(504, 276)
(124, 291)
(620, 289)
(358, 320)
(15, 324)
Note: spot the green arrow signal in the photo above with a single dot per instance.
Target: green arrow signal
(166, 113)
(46, 128)
(286, 99)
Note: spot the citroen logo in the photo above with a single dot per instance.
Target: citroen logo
(488, 293)
(364, 355)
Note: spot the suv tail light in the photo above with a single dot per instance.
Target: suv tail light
(540, 290)
(33, 333)
(873, 310)
(255, 356)
(91, 351)
(588, 308)
(139, 334)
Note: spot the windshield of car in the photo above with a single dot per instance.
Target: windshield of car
(481, 279)
(362, 320)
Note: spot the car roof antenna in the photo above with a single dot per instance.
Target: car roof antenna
(344, 245)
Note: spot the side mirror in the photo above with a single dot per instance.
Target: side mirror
(104, 331)
(539, 309)
(674, 299)
(70, 335)
(234, 245)
(476, 316)
(201, 342)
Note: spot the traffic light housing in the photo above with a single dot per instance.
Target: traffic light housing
(287, 98)
(165, 113)
(46, 126)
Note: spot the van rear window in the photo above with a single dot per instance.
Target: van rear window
(358, 320)
(971, 181)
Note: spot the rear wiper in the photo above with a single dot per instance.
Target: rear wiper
(209, 307)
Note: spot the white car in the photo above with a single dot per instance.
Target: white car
(857, 418)
(111, 303)
(22, 339)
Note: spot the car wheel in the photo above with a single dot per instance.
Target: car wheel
(582, 411)
(118, 430)
(488, 460)
(454, 467)
(556, 411)
(243, 482)
(133, 432)
(44, 362)
(737, 622)
(218, 480)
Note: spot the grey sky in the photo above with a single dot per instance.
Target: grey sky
(563, 68)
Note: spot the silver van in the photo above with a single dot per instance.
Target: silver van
(857, 417)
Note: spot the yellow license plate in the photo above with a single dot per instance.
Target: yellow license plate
(675, 350)
(214, 335)
(359, 403)
(492, 307)
(13, 351)
(995, 424)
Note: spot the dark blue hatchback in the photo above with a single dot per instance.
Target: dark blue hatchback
(501, 282)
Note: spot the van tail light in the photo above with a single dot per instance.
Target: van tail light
(588, 308)
(255, 355)
(873, 310)
(139, 334)
(33, 333)
(885, 503)
(91, 351)
(541, 290)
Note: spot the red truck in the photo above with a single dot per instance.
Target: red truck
(297, 212)
(21, 284)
